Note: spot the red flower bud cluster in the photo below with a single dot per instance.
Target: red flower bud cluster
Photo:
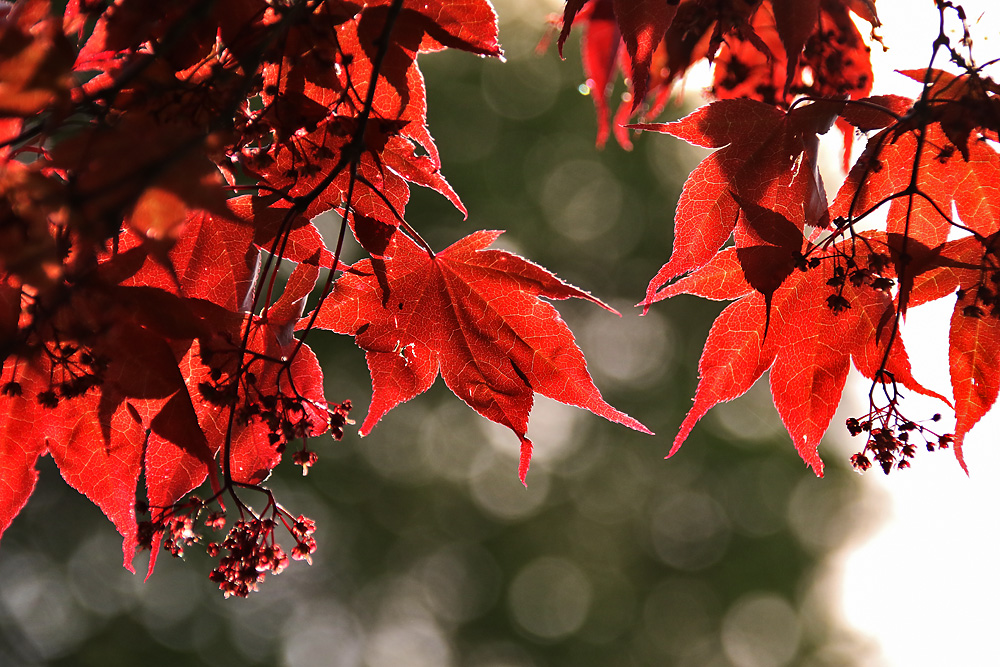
(252, 553)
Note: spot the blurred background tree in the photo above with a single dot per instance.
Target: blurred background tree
(430, 551)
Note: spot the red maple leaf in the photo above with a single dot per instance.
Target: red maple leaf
(766, 157)
(643, 23)
(922, 176)
(97, 386)
(619, 33)
(968, 266)
(821, 319)
(22, 441)
(474, 316)
(599, 55)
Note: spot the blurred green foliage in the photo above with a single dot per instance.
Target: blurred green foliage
(431, 553)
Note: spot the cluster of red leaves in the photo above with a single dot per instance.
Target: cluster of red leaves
(816, 285)
(158, 168)
(158, 165)
(768, 50)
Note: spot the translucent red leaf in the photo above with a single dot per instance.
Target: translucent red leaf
(767, 157)
(811, 364)
(97, 434)
(473, 315)
(215, 258)
(808, 346)
(967, 265)
(278, 229)
(599, 47)
(396, 135)
(286, 311)
(470, 26)
(22, 441)
(974, 362)
(733, 359)
(642, 23)
(794, 48)
(956, 265)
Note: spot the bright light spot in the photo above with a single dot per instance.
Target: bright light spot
(497, 491)
(690, 531)
(550, 597)
(760, 630)
(582, 200)
(322, 634)
(416, 642)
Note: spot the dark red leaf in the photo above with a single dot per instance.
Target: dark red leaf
(768, 158)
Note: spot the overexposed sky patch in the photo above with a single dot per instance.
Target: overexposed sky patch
(926, 586)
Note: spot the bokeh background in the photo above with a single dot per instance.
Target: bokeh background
(431, 553)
